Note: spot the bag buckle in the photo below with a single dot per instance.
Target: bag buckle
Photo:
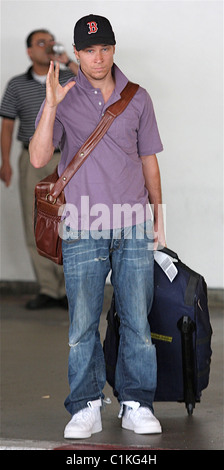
(48, 200)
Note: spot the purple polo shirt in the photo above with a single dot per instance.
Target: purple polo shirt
(109, 187)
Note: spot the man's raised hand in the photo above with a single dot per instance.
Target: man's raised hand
(55, 93)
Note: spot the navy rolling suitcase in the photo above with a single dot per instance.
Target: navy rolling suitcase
(181, 331)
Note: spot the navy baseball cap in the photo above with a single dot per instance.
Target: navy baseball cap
(93, 29)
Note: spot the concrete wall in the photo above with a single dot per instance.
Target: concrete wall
(174, 49)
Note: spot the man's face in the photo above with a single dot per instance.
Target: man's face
(96, 61)
(37, 51)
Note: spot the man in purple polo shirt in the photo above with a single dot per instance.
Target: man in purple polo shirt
(109, 227)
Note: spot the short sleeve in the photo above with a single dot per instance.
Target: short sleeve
(149, 141)
(8, 107)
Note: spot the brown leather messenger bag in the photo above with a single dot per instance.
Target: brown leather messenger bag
(49, 193)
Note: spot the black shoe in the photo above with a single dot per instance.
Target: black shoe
(42, 301)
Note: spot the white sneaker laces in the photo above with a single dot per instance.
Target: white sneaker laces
(85, 413)
(136, 410)
(133, 405)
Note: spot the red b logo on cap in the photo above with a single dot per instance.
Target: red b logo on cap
(93, 28)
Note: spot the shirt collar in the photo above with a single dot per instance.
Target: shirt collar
(120, 81)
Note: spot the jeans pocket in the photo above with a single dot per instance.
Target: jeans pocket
(144, 231)
(71, 236)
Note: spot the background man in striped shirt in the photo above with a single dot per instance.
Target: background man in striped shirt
(22, 99)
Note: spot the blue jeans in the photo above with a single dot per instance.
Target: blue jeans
(87, 262)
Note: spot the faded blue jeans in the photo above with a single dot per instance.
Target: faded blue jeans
(87, 262)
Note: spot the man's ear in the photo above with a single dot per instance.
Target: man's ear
(29, 52)
(76, 53)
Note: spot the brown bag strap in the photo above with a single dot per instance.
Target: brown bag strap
(111, 113)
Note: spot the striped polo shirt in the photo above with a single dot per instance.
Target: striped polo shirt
(23, 98)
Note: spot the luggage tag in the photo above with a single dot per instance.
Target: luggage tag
(166, 264)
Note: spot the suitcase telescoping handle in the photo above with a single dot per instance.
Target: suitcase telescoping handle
(168, 252)
(187, 328)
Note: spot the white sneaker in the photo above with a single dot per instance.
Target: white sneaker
(86, 422)
(139, 419)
